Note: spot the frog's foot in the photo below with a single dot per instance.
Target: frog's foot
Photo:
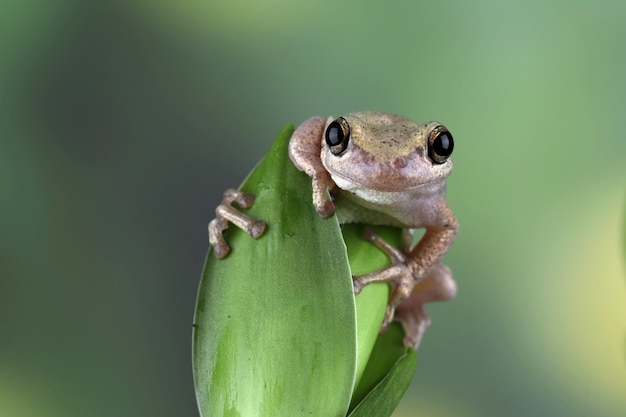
(415, 322)
(438, 285)
(403, 274)
(226, 213)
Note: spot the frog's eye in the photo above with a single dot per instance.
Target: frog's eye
(338, 135)
(440, 144)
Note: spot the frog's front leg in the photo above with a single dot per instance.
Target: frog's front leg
(226, 213)
(304, 150)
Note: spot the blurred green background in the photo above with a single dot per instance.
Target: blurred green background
(121, 123)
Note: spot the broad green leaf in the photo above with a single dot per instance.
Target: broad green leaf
(275, 329)
(372, 301)
(275, 324)
(373, 365)
(386, 353)
(384, 397)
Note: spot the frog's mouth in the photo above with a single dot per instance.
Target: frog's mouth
(392, 180)
(410, 173)
(389, 185)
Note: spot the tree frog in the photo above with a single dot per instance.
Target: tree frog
(378, 169)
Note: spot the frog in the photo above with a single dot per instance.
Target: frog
(378, 169)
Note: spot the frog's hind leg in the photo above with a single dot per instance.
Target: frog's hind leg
(438, 285)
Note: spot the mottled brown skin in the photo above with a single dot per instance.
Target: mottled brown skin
(384, 177)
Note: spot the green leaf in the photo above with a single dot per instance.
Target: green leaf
(386, 353)
(275, 325)
(371, 303)
(383, 399)
(378, 353)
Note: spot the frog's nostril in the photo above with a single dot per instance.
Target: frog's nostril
(400, 162)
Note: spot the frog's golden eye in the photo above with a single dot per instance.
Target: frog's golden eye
(338, 135)
(440, 144)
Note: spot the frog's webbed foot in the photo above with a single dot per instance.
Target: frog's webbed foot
(226, 213)
(412, 288)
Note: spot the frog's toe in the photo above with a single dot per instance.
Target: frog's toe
(389, 317)
(396, 255)
(221, 250)
(257, 228)
(325, 209)
(216, 239)
(414, 333)
(242, 199)
(357, 285)
(415, 321)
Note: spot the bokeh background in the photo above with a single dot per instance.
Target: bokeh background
(121, 123)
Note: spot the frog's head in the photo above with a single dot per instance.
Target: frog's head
(386, 152)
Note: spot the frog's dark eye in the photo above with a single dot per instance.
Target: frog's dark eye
(440, 144)
(338, 135)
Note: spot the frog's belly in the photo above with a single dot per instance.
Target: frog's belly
(410, 210)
